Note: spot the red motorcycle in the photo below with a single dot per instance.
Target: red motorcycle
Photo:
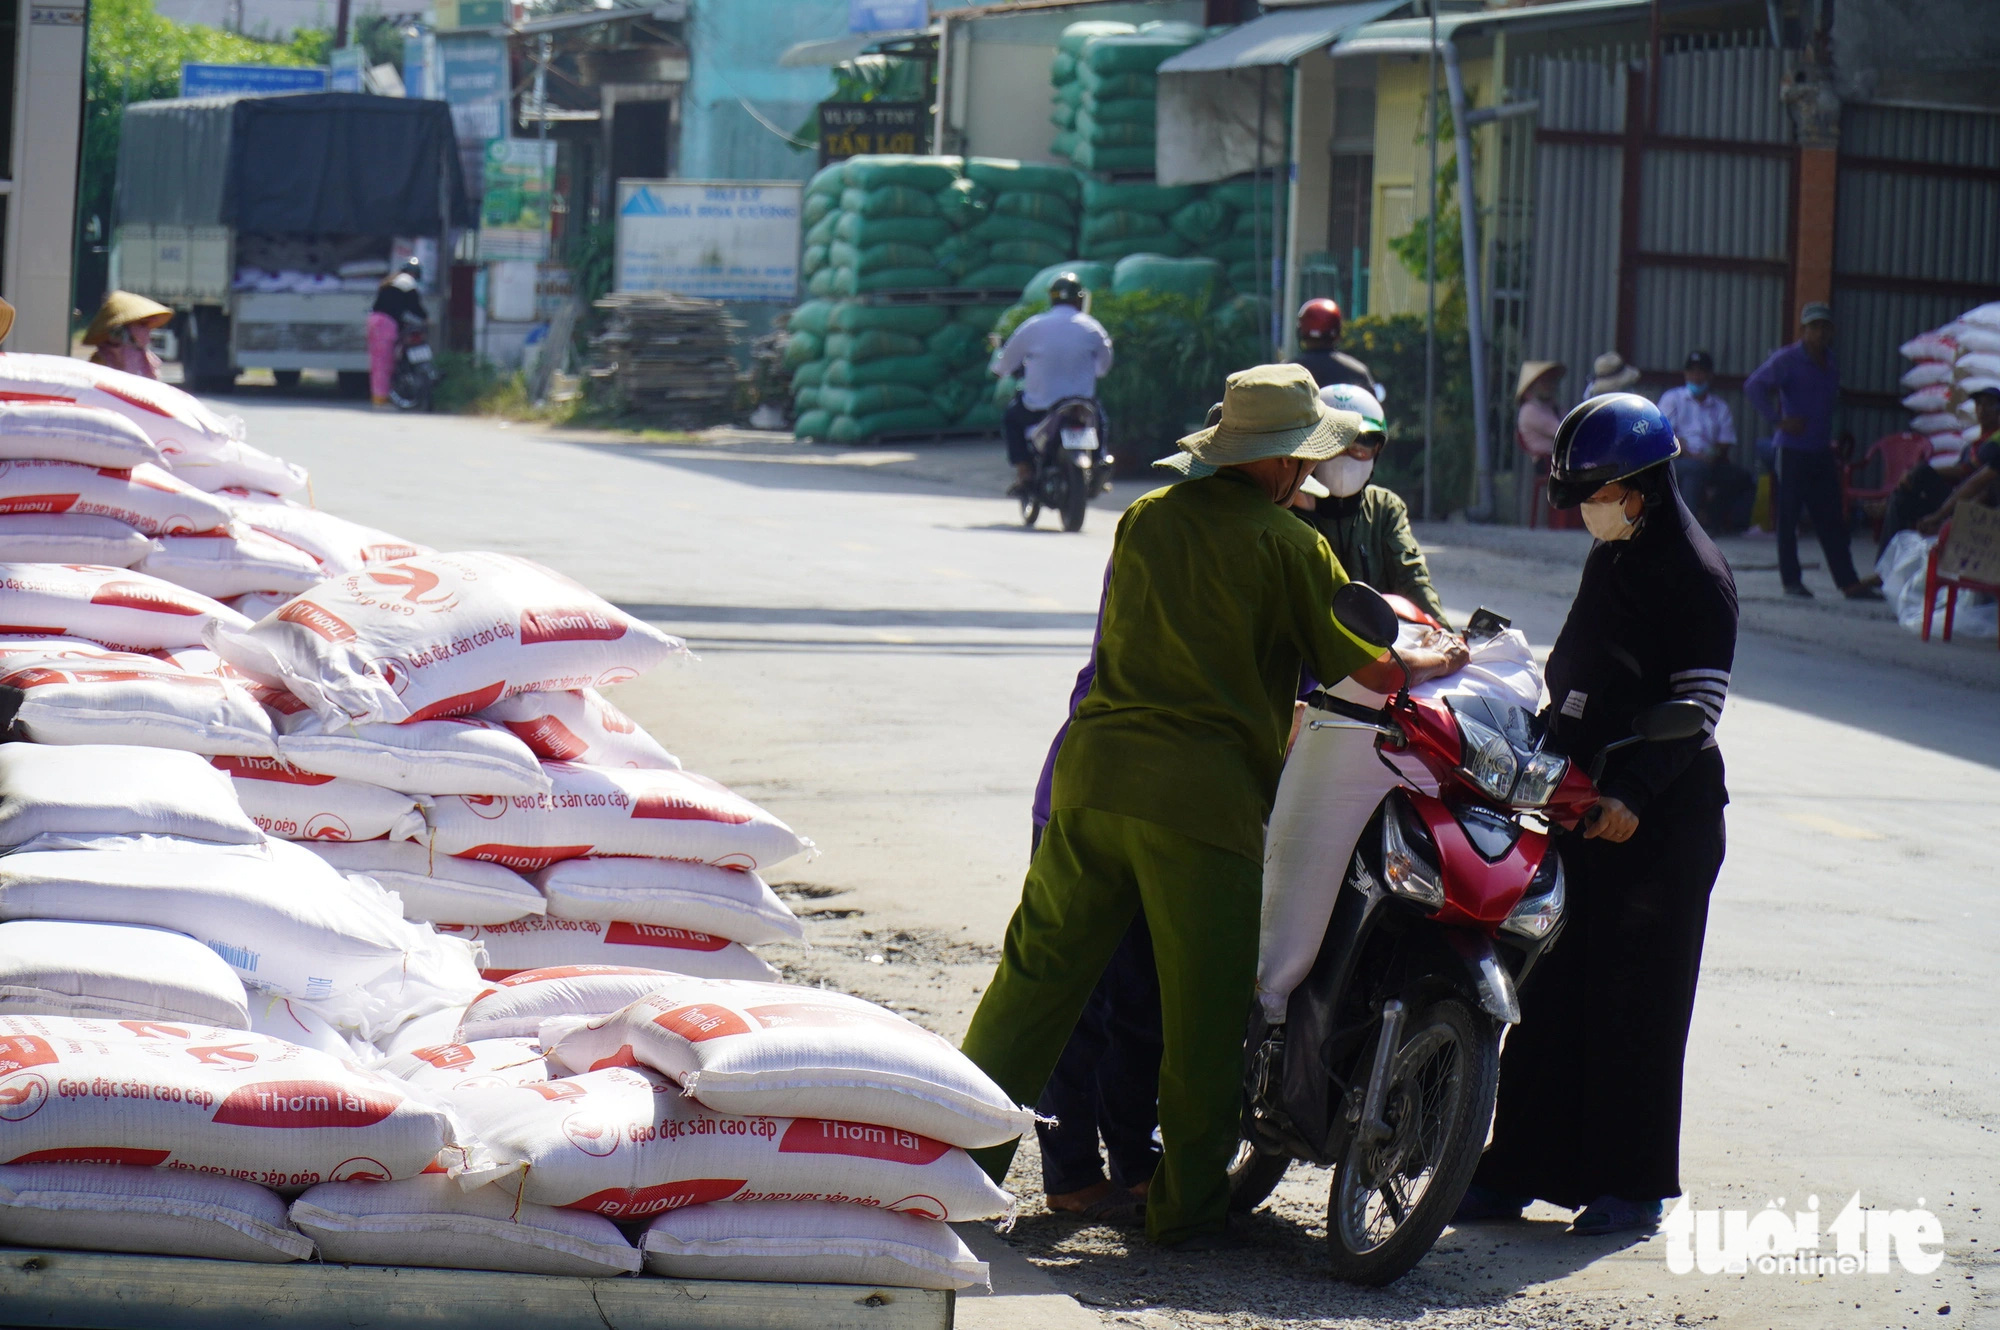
(1386, 1066)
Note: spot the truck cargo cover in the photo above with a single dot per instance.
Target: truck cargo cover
(324, 163)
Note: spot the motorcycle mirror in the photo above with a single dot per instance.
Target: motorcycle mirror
(1669, 721)
(1360, 609)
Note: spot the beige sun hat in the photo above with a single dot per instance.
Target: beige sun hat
(1613, 375)
(120, 308)
(1267, 411)
(1531, 370)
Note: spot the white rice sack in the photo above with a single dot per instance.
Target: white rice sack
(538, 942)
(785, 1049)
(516, 1006)
(204, 1099)
(87, 435)
(437, 887)
(1933, 422)
(145, 498)
(1977, 363)
(71, 538)
(580, 726)
(281, 916)
(1925, 373)
(170, 417)
(724, 901)
(430, 1221)
(336, 544)
(1986, 316)
(459, 756)
(622, 1142)
(426, 1031)
(116, 788)
(297, 1021)
(111, 606)
(232, 562)
(236, 465)
(302, 805)
(75, 692)
(1974, 337)
(1936, 345)
(254, 605)
(442, 635)
(1975, 385)
(483, 1064)
(615, 811)
(58, 967)
(1937, 397)
(810, 1242)
(157, 1211)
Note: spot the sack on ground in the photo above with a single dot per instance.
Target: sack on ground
(145, 498)
(456, 756)
(297, 1021)
(94, 788)
(70, 538)
(538, 942)
(515, 1007)
(156, 1211)
(58, 967)
(336, 544)
(810, 1242)
(580, 726)
(430, 1221)
(170, 417)
(437, 887)
(302, 805)
(231, 563)
(797, 1051)
(483, 1064)
(111, 606)
(75, 692)
(442, 635)
(624, 1142)
(238, 466)
(614, 810)
(727, 902)
(88, 435)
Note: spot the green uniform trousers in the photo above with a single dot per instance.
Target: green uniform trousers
(1092, 872)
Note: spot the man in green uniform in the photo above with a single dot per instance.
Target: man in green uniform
(1368, 526)
(1217, 597)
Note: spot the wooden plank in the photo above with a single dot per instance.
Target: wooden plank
(108, 1291)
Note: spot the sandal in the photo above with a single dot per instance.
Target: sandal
(1117, 1207)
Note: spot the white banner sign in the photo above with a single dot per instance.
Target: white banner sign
(718, 239)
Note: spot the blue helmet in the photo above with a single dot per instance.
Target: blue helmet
(1607, 438)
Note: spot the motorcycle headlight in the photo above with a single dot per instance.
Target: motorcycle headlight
(1488, 759)
(1541, 909)
(1540, 776)
(1409, 861)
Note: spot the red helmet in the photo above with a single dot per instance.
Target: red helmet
(1319, 320)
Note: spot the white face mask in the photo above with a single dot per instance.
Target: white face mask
(1345, 476)
(1606, 519)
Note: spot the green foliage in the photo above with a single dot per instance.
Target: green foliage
(1392, 346)
(1412, 248)
(135, 56)
(1171, 357)
(870, 78)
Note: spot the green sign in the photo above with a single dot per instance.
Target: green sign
(514, 217)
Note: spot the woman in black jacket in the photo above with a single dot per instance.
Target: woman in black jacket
(1590, 1083)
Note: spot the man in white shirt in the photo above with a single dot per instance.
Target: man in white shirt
(1059, 353)
(1706, 430)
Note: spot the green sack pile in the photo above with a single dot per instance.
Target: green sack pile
(1106, 88)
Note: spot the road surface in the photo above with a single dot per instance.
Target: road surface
(884, 655)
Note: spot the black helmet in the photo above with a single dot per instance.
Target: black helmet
(1067, 288)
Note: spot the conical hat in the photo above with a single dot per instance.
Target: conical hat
(6, 319)
(120, 308)
(1532, 370)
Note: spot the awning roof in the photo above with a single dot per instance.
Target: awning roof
(1402, 35)
(840, 50)
(1277, 38)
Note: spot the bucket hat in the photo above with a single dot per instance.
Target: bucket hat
(1267, 411)
(1613, 375)
(120, 308)
(1532, 370)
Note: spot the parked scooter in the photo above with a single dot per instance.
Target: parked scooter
(415, 376)
(1388, 1062)
(1072, 464)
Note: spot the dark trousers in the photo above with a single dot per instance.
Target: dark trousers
(1809, 479)
(1015, 423)
(1107, 1083)
(1590, 1082)
(1921, 493)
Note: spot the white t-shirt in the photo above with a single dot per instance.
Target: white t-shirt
(1700, 423)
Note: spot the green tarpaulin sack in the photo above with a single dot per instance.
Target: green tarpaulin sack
(813, 424)
(1239, 249)
(848, 282)
(1037, 206)
(961, 254)
(954, 397)
(1102, 86)
(889, 201)
(1135, 196)
(815, 316)
(809, 375)
(1242, 316)
(802, 347)
(1243, 195)
(1003, 175)
(817, 206)
(820, 284)
(984, 416)
(1062, 68)
(1031, 252)
(924, 371)
(1126, 55)
(995, 276)
(881, 258)
(1119, 111)
(1174, 29)
(813, 259)
(1249, 276)
(1201, 221)
(862, 231)
(1168, 245)
(1064, 144)
(1115, 161)
(828, 180)
(875, 344)
(994, 230)
(1094, 276)
(873, 398)
(958, 345)
(979, 316)
(964, 202)
(1062, 115)
(888, 170)
(1077, 35)
(1113, 135)
(907, 420)
(1197, 279)
(807, 399)
(1102, 226)
(825, 231)
(912, 320)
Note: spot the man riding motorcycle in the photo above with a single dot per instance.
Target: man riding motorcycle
(1319, 348)
(1061, 352)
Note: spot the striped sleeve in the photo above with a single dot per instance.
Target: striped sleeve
(1709, 688)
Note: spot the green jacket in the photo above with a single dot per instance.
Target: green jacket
(1370, 535)
(1216, 598)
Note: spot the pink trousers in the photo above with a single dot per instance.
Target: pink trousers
(381, 354)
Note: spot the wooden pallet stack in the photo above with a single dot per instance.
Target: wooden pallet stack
(667, 357)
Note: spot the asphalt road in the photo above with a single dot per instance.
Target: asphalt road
(885, 655)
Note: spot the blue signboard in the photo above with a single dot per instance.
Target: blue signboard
(886, 15)
(258, 80)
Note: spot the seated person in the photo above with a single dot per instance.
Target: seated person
(1974, 473)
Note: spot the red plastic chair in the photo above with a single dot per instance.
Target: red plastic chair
(1900, 454)
(1951, 585)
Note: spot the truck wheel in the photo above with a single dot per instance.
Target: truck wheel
(288, 379)
(354, 383)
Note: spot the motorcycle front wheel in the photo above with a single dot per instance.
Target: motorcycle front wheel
(1253, 1176)
(1391, 1197)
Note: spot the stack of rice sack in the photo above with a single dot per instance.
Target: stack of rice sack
(1106, 92)
(756, 1130)
(1949, 365)
(1255, 211)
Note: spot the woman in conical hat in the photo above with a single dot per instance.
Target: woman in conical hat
(122, 332)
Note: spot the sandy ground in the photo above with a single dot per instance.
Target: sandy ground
(885, 654)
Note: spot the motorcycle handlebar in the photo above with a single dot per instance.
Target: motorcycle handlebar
(1321, 700)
